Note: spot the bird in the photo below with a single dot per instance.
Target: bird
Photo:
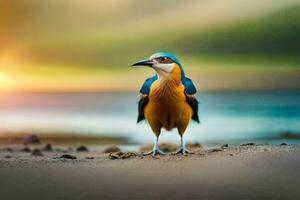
(167, 99)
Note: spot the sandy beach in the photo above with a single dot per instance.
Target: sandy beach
(234, 172)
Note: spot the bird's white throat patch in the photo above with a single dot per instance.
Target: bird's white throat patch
(163, 70)
(165, 67)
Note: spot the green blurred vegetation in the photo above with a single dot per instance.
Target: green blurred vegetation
(278, 33)
(276, 36)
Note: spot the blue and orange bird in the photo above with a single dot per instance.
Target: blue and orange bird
(167, 99)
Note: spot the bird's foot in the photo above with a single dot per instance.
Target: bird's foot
(154, 153)
(182, 151)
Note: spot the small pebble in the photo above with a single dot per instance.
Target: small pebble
(224, 146)
(121, 155)
(82, 149)
(112, 149)
(48, 147)
(248, 144)
(26, 149)
(32, 139)
(215, 150)
(68, 156)
(36, 152)
(195, 145)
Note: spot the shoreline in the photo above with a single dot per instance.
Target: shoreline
(61, 138)
(68, 138)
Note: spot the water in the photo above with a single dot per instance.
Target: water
(224, 116)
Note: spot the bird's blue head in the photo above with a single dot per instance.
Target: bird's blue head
(163, 63)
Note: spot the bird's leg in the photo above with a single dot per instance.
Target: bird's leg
(155, 150)
(182, 150)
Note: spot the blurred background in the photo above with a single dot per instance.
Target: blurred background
(65, 66)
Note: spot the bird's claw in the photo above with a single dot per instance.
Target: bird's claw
(154, 153)
(182, 151)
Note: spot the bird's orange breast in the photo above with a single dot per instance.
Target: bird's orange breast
(167, 107)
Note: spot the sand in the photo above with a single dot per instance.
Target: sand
(247, 172)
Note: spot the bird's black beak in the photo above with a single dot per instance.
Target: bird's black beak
(145, 62)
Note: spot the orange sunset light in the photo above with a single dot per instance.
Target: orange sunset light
(6, 81)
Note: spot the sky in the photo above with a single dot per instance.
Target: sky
(83, 46)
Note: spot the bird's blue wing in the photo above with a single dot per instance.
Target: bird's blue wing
(190, 90)
(147, 84)
(189, 86)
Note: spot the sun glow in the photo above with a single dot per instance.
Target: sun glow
(6, 81)
(9, 62)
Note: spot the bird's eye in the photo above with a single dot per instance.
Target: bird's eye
(163, 59)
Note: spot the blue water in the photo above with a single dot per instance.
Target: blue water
(224, 116)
